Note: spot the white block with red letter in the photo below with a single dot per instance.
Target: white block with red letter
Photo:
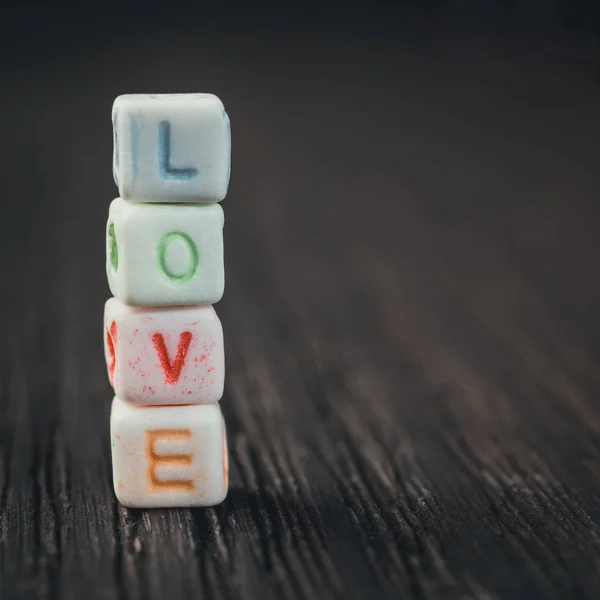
(168, 456)
(164, 355)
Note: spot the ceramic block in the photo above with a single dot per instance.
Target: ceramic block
(164, 355)
(171, 147)
(168, 456)
(165, 254)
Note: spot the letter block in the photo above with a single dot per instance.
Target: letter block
(164, 355)
(168, 456)
(171, 147)
(165, 254)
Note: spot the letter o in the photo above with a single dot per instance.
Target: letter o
(192, 254)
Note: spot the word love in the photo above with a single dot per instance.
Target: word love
(168, 455)
(163, 342)
(164, 356)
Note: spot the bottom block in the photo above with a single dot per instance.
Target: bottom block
(168, 456)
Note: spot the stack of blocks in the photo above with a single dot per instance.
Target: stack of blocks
(163, 341)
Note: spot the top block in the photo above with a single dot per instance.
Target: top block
(171, 147)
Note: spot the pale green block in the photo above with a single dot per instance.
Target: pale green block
(165, 254)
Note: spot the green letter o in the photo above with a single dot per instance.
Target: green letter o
(113, 248)
(162, 256)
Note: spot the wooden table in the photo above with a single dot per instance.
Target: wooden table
(411, 317)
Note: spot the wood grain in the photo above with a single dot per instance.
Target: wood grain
(412, 239)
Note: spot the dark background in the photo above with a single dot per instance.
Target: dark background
(37, 33)
(411, 309)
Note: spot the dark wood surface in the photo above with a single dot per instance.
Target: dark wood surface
(411, 318)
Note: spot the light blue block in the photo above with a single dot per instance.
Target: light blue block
(171, 147)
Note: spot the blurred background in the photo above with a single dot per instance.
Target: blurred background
(410, 310)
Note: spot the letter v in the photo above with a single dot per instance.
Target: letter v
(172, 371)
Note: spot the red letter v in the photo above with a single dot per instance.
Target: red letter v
(172, 371)
(111, 346)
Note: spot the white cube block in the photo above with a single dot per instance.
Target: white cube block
(168, 456)
(171, 147)
(164, 355)
(165, 254)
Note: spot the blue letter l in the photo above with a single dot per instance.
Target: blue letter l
(166, 171)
